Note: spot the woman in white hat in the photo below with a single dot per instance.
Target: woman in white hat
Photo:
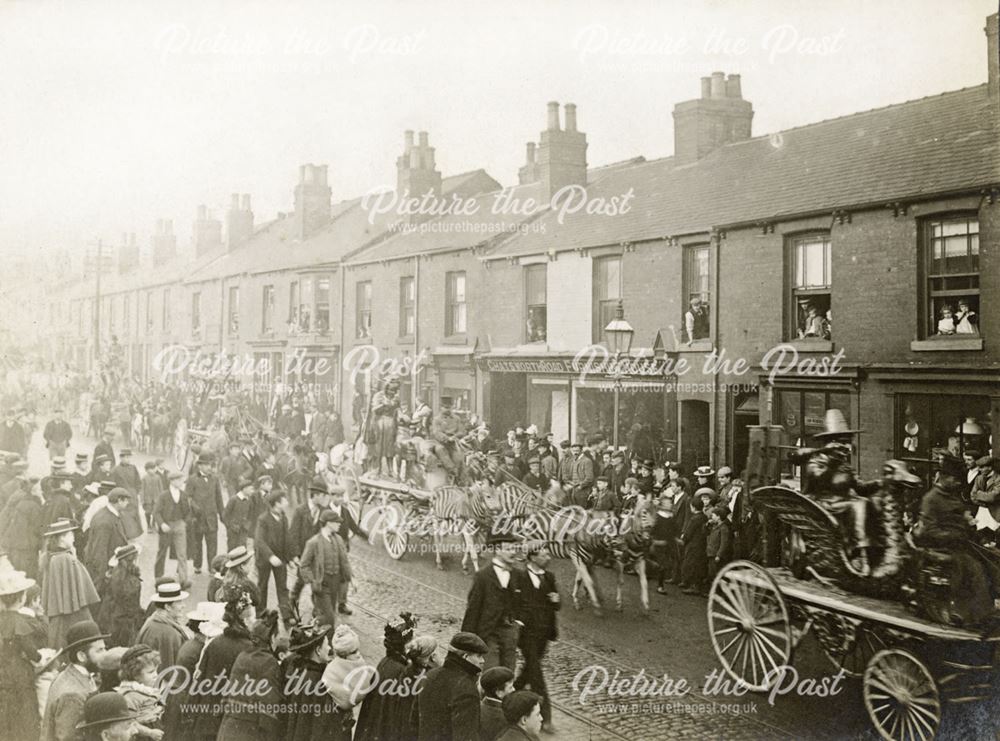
(68, 592)
(21, 638)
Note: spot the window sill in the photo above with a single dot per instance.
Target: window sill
(698, 346)
(811, 345)
(458, 339)
(947, 344)
(405, 339)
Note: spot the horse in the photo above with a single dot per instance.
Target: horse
(161, 430)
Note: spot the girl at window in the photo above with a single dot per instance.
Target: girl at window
(965, 319)
(946, 324)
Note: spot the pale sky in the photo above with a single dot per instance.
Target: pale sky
(115, 114)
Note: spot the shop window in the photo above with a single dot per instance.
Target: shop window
(363, 310)
(810, 288)
(801, 414)
(951, 266)
(697, 283)
(322, 305)
(234, 310)
(535, 298)
(456, 307)
(267, 310)
(929, 422)
(640, 416)
(607, 294)
(407, 306)
(461, 399)
(196, 314)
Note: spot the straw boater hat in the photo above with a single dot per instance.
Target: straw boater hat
(169, 592)
(14, 582)
(703, 471)
(122, 553)
(58, 527)
(835, 425)
(238, 555)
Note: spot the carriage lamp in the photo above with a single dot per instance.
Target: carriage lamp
(620, 333)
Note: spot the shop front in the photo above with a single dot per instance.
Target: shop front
(554, 396)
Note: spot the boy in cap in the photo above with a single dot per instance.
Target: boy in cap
(238, 514)
(496, 683)
(522, 709)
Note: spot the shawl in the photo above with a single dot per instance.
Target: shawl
(67, 586)
(143, 701)
(348, 689)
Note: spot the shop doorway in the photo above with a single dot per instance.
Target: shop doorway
(508, 402)
(695, 434)
(746, 413)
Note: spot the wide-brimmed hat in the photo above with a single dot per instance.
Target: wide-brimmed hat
(13, 582)
(81, 457)
(238, 555)
(834, 425)
(304, 639)
(102, 459)
(82, 634)
(123, 552)
(169, 592)
(207, 611)
(704, 472)
(103, 709)
(58, 527)
(912, 428)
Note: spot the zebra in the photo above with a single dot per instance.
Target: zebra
(585, 537)
(466, 508)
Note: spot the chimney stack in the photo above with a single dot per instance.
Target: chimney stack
(993, 54)
(312, 200)
(416, 171)
(164, 242)
(529, 172)
(239, 221)
(713, 120)
(553, 118)
(207, 232)
(128, 253)
(562, 155)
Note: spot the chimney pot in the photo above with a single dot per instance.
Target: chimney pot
(423, 138)
(706, 87)
(430, 158)
(234, 202)
(553, 117)
(733, 87)
(408, 139)
(530, 153)
(570, 116)
(246, 202)
(718, 85)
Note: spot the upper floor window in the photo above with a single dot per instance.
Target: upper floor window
(166, 309)
(455, 306)
(306, 299)
(697, 291)
(951, 288)
(196, 313)
(407, 306)
(267, 310)
(535, 302)
(322, 305)
(149, 311)
(293, 307)
(607, 293)
(810, 286)
(234, 310)
(363, 310)
(126, 311)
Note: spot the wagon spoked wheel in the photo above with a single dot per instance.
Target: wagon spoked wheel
(854, 659)
(750, 625)
(392, 525)
(180, 445)
(901, 697)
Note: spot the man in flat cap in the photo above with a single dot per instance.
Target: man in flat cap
(448, 704)
(324, 565)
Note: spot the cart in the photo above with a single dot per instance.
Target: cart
(398, 510)
(909, 665)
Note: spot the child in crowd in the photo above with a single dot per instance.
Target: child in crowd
(496, 684)
(663, 536)
(693, 566)
(218, 574)
(152, 487)
(138, 686)
(719, 543)
(121, 613)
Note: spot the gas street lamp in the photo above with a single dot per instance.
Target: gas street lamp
(620, 334)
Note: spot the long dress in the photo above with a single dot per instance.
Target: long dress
(385, 408)
(379, 718)
(121, 614)
(304, 681)
(21, 637)
(67, 593)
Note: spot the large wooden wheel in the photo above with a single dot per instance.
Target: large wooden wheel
(181, 450)
(750, 625)
(390, 523)
(901, 697)
(848, 644)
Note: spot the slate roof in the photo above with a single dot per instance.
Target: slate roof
(275, 246)
(939, 144)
